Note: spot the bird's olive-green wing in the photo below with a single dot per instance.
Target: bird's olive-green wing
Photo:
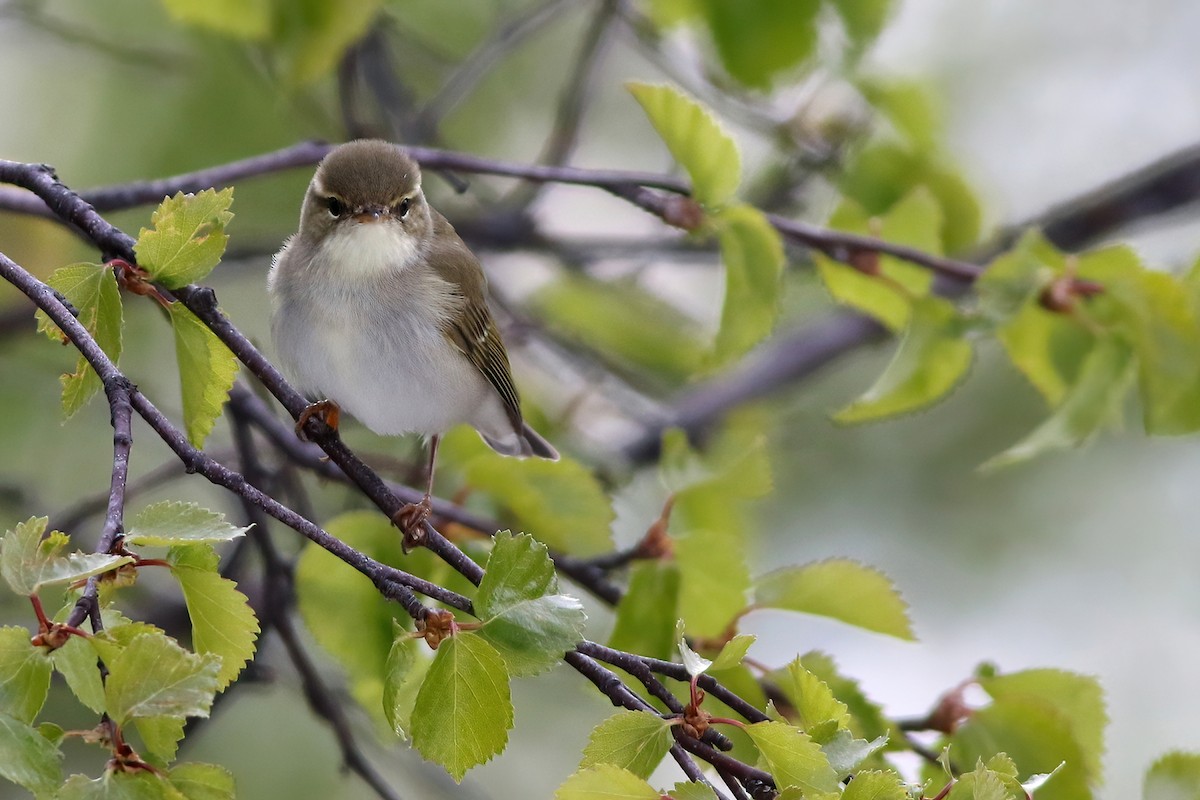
(471, 328)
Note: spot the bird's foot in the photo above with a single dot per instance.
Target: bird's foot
(410, 519)
(327, 411)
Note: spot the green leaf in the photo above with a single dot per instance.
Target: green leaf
(76, 661)
(695, 140)
(206, 372)
(646, 614)
(245, 19)
(758, 39)
(172, 522)
(984, 784)
(202, 781)
(633, 740)
(870, 785)
(606, 782)
(24, 675)
(161, 736)
(117, 785)
(403, 675)
(691, 791)
(931, 360)
(1077, 698)
(188, 238)
(1175, 776)
(867, 719)
(27, 758)
(1015, 279)
(863, 19)
(310, 36)
(329, 592)
(752, 252)
(1093, 402)
(839, 588)
(792, 757)
(463, 710)
(153, 676)
(909, 105)
(524, 617)
(560, 503)
(818, 712)
(714, 578)
(846, 753)
(666, 13)
(29, 562)
(733, 651)
(92, 290)
(222, 621)
(693, 662)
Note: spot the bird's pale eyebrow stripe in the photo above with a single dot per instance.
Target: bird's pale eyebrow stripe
(318, 187)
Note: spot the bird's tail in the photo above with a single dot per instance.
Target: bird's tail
(527, 442)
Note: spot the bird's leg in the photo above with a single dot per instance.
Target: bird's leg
(327, 411)
(411, 517)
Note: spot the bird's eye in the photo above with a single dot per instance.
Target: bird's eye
(401, 208)
(336, 207)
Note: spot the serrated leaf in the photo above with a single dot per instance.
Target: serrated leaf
(524, 617)
(792, 757)
(981, 784)
(161, 736)
(1078, 698)
(92, 290)
(695, 140)
(733, 651)
(559, 503)
(153, 676)
(222, 621)
(633, 740)
(759, 39)
(463, 710)
(606, 782)
(1175, 776)
(693, 662)
(874, 785)
(29, 562)
(714, 578)
(76, 661)
(867, 719)
(839, 588)
(818, 712)
(403, 674)
(931, 360)
(846, 753)
(310, 36)
(646, 614)
(118, 785)
(188, 238)
(24, 675)
(202, 781)
(691, 791)
(172, 522)
(206, 372)
(245, 19)
(1094, 401)
(752, 252)
(27, 758)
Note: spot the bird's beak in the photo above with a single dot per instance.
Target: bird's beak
(370, 214)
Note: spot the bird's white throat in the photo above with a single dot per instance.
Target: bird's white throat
(369, 248)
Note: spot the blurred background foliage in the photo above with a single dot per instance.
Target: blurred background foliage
(1082, 560)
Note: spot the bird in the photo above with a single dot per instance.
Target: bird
(379, 308)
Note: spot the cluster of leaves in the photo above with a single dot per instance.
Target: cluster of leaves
(143, 682)
(186, 242)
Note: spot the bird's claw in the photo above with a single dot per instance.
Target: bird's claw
(327, 411)
(410, 519)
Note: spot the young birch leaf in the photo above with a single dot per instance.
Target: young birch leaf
(171, 522)
(24, 675)
(222, 620)
(1175, 776)
(524, 617)
(752, 252)
(403, 674)
(758, 39)
(245, 19)
(732, 652)
(310, 36)
(27, 758)
(691, 791)
(695, 140)
(863, 19)
(606, 782)
(793, 758)
(867, 719)
(931, 360)
(92, 290)
(76, 661)
(463, 710)
(839, 588)
(118, 785)
(206, 372)
(188, 238)
(632, 740)
(153, 676)
(876, 786)
(818, 712)
(646, 614)
(693, 662)
(202, 781)
(29, 562)
(161, 735)
(1094, 401)
(846, 753)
